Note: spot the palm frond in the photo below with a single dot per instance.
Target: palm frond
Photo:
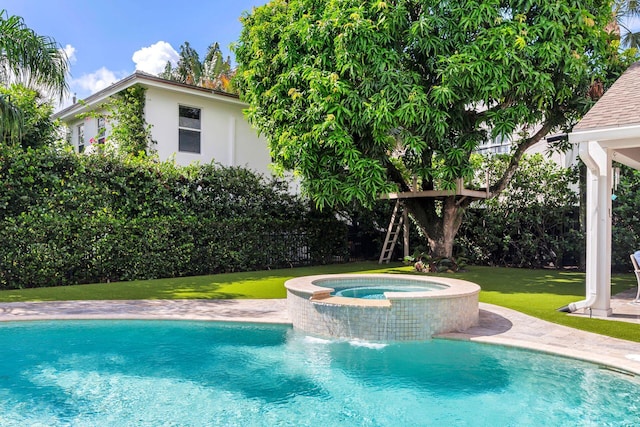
(631, 39)
(29, 58)
(11, 120)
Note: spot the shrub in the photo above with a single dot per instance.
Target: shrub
(534, 223)
(67, 218)
(625, 228)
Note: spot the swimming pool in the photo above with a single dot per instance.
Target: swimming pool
(105, 373)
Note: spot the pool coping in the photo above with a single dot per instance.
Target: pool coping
(497, 325)
(315, 288)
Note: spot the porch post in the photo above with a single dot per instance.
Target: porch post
(598, 269)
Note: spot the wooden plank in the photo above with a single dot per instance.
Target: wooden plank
(477, 194)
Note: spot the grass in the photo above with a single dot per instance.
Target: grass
(534, 292)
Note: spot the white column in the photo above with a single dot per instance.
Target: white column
(598, 274)
(602, 305)
(591, 234)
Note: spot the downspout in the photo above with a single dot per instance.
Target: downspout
(592, 156)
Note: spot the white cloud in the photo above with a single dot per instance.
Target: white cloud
(153, 59)
(86, 85)
(95, 81)
(70, 51)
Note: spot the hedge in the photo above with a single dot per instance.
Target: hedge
(68, 219)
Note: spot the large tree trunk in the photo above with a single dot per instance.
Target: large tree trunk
(439, 226)
(440, 220)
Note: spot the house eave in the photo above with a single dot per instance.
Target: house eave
(618, 136)
(147, 80)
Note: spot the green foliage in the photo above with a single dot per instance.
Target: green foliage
(625, 231)
(214, 72)
(68, 219)
(359, 98)
(130, 132)
(37, 127)
(624, 11)
(533, 224)
(28, 58)
(424, 263)
(340, 88)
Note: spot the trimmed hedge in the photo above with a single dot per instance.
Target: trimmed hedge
(67, 219)
(534, 223)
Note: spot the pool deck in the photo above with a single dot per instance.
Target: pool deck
(497, 325)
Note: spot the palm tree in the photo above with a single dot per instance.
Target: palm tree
(28, 58)
(623, 10)
(214, 72)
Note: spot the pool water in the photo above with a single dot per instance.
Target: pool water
(374, 288)
(377, 292)
(151, 373)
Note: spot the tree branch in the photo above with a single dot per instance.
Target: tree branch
(396, 176)
(506, 177)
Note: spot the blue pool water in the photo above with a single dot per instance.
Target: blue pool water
(161, 373)
(377, 292)
(375, 288)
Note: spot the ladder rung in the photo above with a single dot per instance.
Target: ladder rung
(395, 225)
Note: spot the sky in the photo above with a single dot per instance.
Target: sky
(109, 40)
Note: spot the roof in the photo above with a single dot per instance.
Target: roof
(145, 79)
(619, 106)
(614, 122)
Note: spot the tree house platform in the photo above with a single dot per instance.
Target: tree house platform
(440, 194)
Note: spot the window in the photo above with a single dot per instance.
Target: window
(80, 138)
(189, 129)
(102, 130)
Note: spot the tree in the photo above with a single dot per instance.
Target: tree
(38, 129)
(31, 59)
(622, 10)
(364, 98)
(189, 68)
(214, 72)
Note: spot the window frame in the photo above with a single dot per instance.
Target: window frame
(102, 130)
(80, 131)
(184, 130)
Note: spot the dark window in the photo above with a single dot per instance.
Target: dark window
(189, 129)
(189, 140)
(81, 138)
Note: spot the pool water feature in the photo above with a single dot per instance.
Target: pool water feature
(381, 307)
(106, 373)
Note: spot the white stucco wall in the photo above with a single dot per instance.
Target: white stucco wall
(226, 136)
(90, 131)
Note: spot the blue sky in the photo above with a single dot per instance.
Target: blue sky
(108, 40)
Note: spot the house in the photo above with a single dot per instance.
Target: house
(188, 123)
(608, 133)
(504, 145)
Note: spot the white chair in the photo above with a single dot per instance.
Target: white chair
(636, 269)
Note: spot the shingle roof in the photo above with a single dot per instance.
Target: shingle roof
(619, 106)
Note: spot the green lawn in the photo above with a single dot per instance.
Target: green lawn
(535, 292)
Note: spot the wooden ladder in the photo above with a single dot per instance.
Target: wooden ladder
(393, 231)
